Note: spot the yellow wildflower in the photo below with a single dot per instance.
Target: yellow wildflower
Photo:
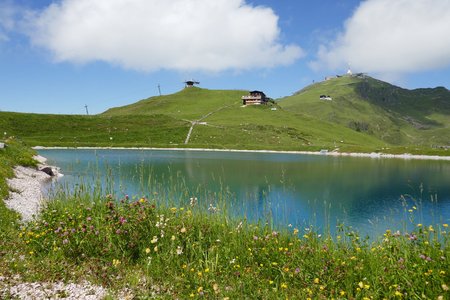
(147, 250)
(116, 262)
(316, 280)
(284, 285)
(398, 294)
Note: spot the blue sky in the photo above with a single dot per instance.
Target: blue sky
(58, 56)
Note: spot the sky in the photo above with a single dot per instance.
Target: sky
(59, 56)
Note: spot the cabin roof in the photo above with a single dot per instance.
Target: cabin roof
(256, 92)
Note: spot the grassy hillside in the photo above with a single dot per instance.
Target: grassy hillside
(376, 108)
(189, 103)
(259, 127)
(364, 115)
(75, 130)
(229, 125)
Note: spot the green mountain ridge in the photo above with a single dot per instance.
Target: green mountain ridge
(395, 115)
(365, 114)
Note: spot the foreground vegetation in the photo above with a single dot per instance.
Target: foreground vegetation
(190, 250)
(15, 153)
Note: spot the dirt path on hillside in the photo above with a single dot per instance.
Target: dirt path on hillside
(199, 121)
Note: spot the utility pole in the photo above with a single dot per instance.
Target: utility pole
(87, 112)
(159, 89)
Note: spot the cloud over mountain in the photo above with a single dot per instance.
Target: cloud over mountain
(392, 37)
(149, 35)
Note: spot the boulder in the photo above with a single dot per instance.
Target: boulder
(48, 171)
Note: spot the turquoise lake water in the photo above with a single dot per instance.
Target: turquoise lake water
(370, 195)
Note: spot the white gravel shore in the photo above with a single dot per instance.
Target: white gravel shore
(406, 156)
(26, 195)
(47, 290)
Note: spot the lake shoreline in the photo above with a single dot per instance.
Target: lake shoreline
(405, 156)
(26, 195)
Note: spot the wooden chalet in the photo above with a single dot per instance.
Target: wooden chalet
(255, 98)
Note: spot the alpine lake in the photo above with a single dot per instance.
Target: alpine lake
(370, 195)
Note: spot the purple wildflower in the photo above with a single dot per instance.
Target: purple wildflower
(412, 237)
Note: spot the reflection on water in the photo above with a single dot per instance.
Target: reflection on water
(367, 194)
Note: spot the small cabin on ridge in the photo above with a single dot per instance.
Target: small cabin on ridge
(255, 98)
(191, 83)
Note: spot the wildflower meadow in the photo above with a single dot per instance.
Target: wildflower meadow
(190, 251)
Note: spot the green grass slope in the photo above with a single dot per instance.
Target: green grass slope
(229, 125)
(365, 115)
(189, 103)
(106, 131)
(259, 127)
(392, 114)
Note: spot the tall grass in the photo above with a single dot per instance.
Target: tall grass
(15, 153)
(186, 250)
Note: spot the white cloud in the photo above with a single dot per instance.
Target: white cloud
(150, 35)
(8, 15)
(392, 37)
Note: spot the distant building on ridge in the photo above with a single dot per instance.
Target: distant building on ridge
(255, 98)
(191, 83)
